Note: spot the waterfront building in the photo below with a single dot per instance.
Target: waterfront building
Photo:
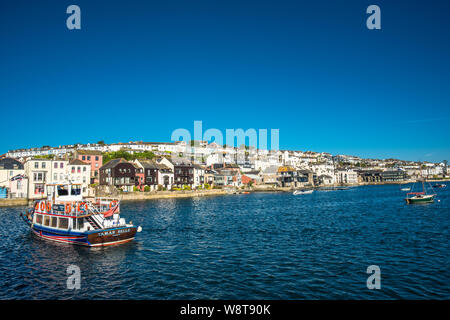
(209, 176)
(139, 177)
(199, 176)
(9, 168)
(288, 176)
(165, 176)
(227, 177)
(38, 172)
(346, 176)
(393, 175)
(251, 178)
(269, 175)
(150, 171)
(118, 173)
(78, 172)
(59, 171)
(326, 180)
(94, 158)
(18, 186)
(369, 176)
(183, 171)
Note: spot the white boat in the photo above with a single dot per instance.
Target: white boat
(297, 192)
(69, 218)
(405, 189)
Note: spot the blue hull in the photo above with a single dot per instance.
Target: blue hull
(101, 237)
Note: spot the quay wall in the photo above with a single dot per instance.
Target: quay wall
(170, 194)
(13, 202)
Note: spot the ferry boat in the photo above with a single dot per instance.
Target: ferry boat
(66, 217)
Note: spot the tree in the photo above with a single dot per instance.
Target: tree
(101, 142)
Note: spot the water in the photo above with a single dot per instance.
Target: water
(257, 246)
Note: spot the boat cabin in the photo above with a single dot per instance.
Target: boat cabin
(65, 209)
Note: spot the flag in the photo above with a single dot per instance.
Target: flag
(111, 211)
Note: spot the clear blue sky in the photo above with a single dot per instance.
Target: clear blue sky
(137, 70)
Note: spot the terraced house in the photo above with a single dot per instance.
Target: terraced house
(118, 173)
(94, 159)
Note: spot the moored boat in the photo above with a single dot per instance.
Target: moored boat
(66, 217)
(441, 185)
(419, 197)
(297, 192)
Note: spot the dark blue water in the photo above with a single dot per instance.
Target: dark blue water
(257, 246)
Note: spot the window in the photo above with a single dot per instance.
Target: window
(11, 173)
(83, 158)
(55, 176)
(84, 169)
(96, 158)
(96, 165)
(78, 169)
(43, 165)
(62, 191)
(76, 191)
(89, 158)
(46, 221)
(61, 165)
(73, 169)
(63, 223)
(36, 165)
(55, 165)
(39, 218)
(54, 222)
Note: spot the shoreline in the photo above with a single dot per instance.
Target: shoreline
(143, 196)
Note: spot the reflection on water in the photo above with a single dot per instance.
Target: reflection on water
(258, 246)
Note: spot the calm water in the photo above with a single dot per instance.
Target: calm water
(258, 246)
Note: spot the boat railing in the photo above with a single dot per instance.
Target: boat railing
(80, 209)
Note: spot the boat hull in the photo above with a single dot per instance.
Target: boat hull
(415, 200)
(96, 238)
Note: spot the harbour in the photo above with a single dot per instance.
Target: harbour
(248, 246)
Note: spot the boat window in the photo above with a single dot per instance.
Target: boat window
(46, 220)
(76, 191)
(39, 218)
(63, 223)
(80, 223)
(54, 222)
(62, 191)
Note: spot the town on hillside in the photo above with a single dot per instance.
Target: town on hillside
(174, 166)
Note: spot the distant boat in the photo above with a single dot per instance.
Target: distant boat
(405, 189)
(419, 197)
(439, 185)
(298, 192)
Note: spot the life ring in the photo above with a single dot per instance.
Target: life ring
(80, 205)
(112, 204)
(49, 207)
(36, 207)
(42, 206)
(68, 208)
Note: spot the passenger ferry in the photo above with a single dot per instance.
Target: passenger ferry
(66, 217)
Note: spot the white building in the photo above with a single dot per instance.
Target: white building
(346, 176)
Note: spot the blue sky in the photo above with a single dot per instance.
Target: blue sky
(137, 70)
